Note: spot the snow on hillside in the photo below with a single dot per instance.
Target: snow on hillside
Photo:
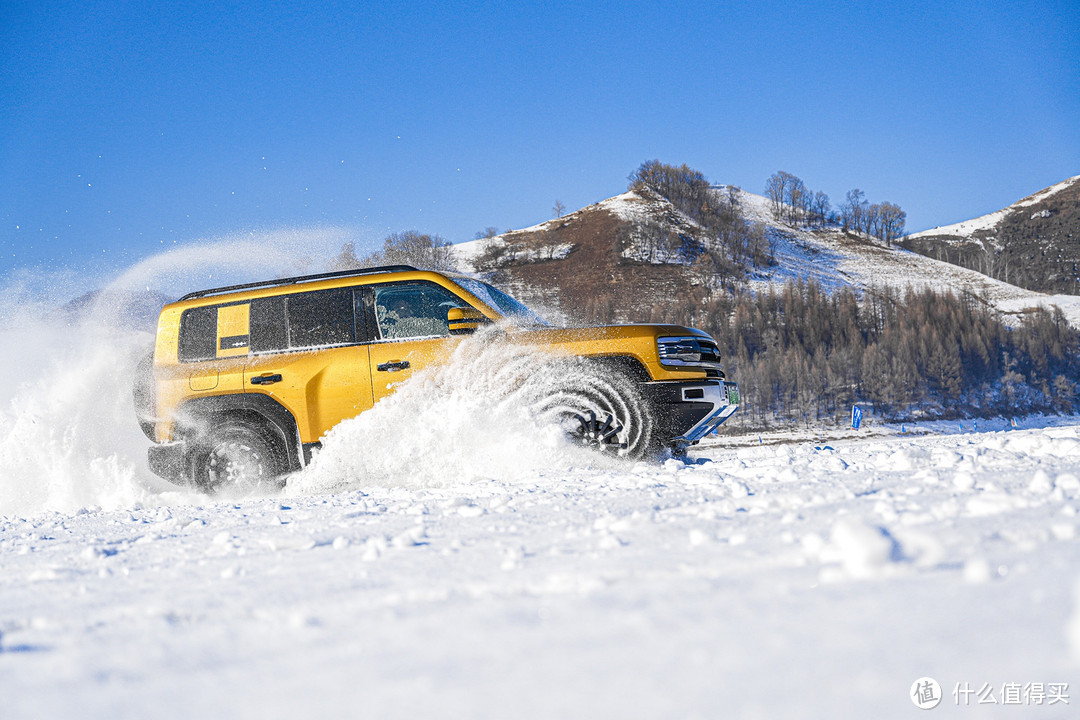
(966, 229)
(630, 206)
(834, 260)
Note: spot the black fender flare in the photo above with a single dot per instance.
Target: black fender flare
(198, 415)
(626, 363)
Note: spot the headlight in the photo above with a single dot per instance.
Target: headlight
(696, 351)
(681, 349)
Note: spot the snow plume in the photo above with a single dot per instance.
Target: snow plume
(69, 438)
(236, 258)
(472, 420)
(68, 435)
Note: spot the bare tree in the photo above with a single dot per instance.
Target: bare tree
(778, 188)
(871, 215)
(892, 222)
(821, 208)
(559, 209)
(797, 200)
(346, 259)
(853, 210)
(414, 248)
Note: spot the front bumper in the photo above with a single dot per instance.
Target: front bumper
(687, 411)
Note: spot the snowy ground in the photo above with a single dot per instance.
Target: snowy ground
(790, 580)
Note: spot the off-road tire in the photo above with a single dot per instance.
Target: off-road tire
(237, 458)
(601, 406)
(143, 394)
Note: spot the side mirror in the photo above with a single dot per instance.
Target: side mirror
(463, 321)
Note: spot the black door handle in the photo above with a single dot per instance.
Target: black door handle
(392, 366)
(266, 379)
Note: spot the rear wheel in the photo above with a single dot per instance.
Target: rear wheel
(237, 458)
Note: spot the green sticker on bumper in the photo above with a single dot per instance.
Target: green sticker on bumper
(733, 394)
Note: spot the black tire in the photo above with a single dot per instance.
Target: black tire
(237, 458)
(601, 407)
(143, 395)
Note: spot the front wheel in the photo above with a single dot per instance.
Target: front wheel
(602, 408)
(237, 458)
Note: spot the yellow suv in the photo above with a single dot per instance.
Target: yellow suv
(245, 380)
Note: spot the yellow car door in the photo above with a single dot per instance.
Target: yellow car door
(410, 331)
(308, 353)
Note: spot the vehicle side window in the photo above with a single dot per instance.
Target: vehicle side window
(268, 329)
(198, 334)
(321, 318)
(413, 309)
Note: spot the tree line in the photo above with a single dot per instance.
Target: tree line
(791, 202)
(803, 354)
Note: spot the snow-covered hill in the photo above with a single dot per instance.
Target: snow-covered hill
(987, 225)
(631, 207)
(829, 256)
(1031, 243)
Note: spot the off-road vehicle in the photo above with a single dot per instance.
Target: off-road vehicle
(244, 381)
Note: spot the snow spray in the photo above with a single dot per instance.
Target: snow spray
(69, 438)
(474, 419)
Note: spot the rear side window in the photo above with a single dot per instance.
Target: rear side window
(304, 320)
(198, 334)
(321, 318)
(268, 328)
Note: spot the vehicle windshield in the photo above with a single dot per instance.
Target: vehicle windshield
(506, 305)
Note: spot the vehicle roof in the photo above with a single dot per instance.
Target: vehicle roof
(296, 280)
(327, 280)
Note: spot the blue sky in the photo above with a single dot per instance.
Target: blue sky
(126, 127)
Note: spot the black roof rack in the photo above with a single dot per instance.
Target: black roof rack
(298, 279)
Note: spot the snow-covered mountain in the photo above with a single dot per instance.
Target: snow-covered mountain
(1031, 243)
(602, 243)
(989, 224)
